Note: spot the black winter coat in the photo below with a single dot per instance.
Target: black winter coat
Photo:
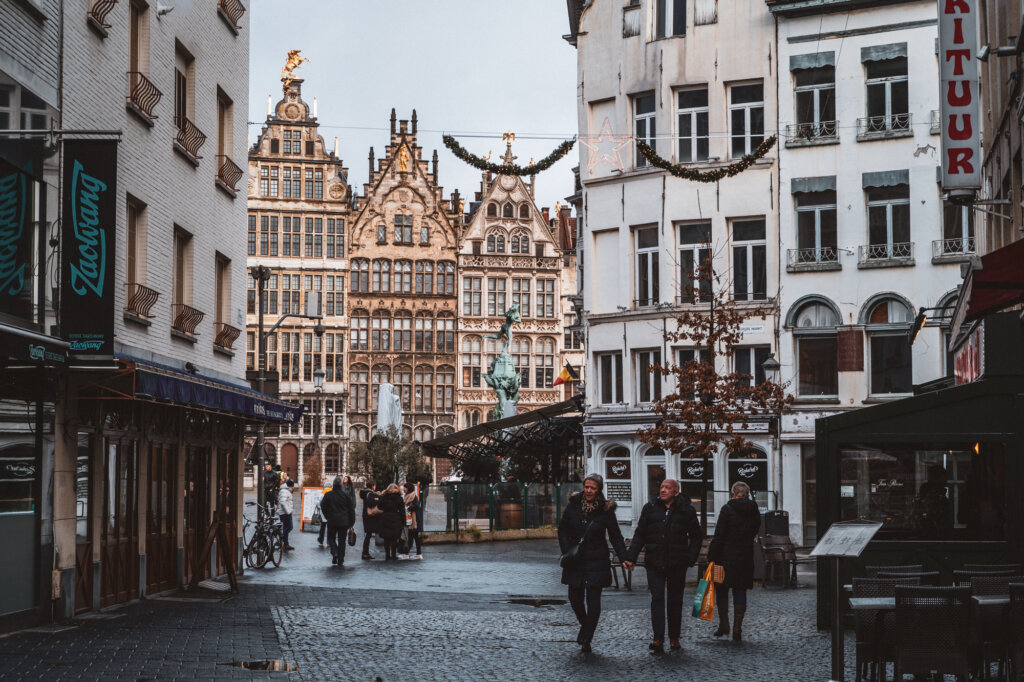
(671, 535)
(733, 544)
(594, 568)
(371, 524)
(392, 521)
(337, 508)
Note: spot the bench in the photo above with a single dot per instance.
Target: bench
(780, 560)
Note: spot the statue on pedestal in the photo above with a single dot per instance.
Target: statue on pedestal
(502, 375)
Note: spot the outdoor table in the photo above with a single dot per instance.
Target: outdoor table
(872, 603)
(991, 600)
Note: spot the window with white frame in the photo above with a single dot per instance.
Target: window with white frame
(520, 351)
(521, 295)
(496, 295)
(816, 231)
(669, 18)
(545, 298)
(644, 128)
(889, 354)
(749, 360)
(694, 254)
(957, 229)
(648, 378)
(817, 350)
(888, 102)
(471, 293)
(688, 355)
(815, 95)
(746, 118)
(646, 248)
(471, 346)
(403, 229)
(609, 377)
(888, 222)
(749, 260)
(544, 362)
(692, 117)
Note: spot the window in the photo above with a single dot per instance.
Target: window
(746, 118)
(573, 339)
(182, 291)
(138, 41)
(381, 276)
(471, 418)
(135, 250)
(887, 98)
(359, 327)
(750, 274)
(380, 331)
(889, 222)
(424, 234)
(670, 18)
(957, 229)
(382, 234)
(403, 331)
(496, 296)
(359, 384)
(648, 379)
(750, 361)
(380, 374)
(471, 361)
(184, 69)
(318, 184)
(816, 227)
(403, 277)
(291, 237)
(545, 298)
(646, 244)
(815, 94)
(358, 433)
(335, 238)
(694, 262)
(889, 348)
(222, 293)
(273, 184)
(609, 377)
(492, 210)
(495, 243)
(521, 243)
(445, 391)
(544, 363)
(403, 229)
(446, 278)
(273, 235)
(685, 355)
(644, 128)
(521, 295)
(403, 385)
(471, 295)
(264, 181)
(508, 211)
(524, 211)
(423, 393)
(693, 125)
(309, 177)
(751, 467)
(251, 243)
(225, 114)
(309, 238)
(318, 237)
(424, 336)
(816, 350)
(424, 277)
(520, 352)
(445, 334)
(286, 183)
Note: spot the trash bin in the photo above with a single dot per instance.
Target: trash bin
(776, 522)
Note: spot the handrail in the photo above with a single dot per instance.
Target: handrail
(233, 10)
(189, 136)
(887, 251)
(881, 125)
(816, 130)
(140, 299)
(228, 172)
(958, 246)
(226, 335)
(812, 256)
(185, 318)
(99, 11)
(142, 93)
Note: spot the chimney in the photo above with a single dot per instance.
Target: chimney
(393, 119)
(544, 212)
(371, 162)
(270, 105)
(414, 123)
(434, 160)
(335, 146)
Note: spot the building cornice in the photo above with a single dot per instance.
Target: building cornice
(796, 8)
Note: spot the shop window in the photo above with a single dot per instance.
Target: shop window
(618, 475)
(817, 350)
(751, 467)
(691, 473)
(889, 350)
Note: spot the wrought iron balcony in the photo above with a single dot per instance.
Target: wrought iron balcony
(139, 299)
(226, 335)
(190, 138)
(232, 10)
(185, 318)
(228, 172)
(936, 122)
(142, 94)
(951, 249)
(817, 132)
(894, 253)
(99, 11)
(878, 127)
(810, 259)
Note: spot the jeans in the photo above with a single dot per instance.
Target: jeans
(415, 537)
(366, 540)
(739, 597)
(336, 540)
(286, 527)
(586, 604)
(673, 580)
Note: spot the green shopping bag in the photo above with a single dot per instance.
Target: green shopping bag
(704, 600)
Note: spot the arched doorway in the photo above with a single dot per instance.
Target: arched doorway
(290, 460)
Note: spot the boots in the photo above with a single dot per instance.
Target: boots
(739, 610)
(723, 622)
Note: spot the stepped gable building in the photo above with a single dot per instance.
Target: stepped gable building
(402, 295)
(299, 209)
(511, 253)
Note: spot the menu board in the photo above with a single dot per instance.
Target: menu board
(846, 539)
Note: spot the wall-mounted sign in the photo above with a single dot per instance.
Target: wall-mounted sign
(88, 246)
(693, 469)
(618, 469)
(16, 240)
(969, 361)
(751, 329)
(960, 109)
(753, 472)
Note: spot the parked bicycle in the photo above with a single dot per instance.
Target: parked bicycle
(262, 539)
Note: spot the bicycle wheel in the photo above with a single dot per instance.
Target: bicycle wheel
(261, 550)
(276, 548)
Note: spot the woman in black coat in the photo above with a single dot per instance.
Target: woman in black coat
(733, 549)
(589, 517)
(391, 520)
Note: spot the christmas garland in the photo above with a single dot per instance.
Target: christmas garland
(706, 176)
(511, 168)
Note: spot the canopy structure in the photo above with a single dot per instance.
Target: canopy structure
(994, 282)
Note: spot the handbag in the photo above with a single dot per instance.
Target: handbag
(403, 542)
(572, 556)
(317, 519)
(351, 537)
(704, 600)
(374, 511)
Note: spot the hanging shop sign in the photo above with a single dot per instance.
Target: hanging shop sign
(88, 247)
(16, 236)
(969, 360)
(960, 108)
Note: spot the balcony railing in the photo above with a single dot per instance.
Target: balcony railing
(139, 299)
(189, 137)
(886, 253)
(228, 172)
(226, 335)
(142, 94)
(185, 318)
(936, 121)
(826, 255)
(960, 246)
(233, 11)
(893, 125)
(99, 11)
(812, 133)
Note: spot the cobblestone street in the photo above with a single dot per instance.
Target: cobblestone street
(451, 616)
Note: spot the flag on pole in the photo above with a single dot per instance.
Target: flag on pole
(566, 375)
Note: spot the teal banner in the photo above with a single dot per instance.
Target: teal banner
(16, 240)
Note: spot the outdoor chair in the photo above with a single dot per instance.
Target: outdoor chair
(933, 631)
(990, 630)
(872, 571)
(930, 578)
(876, 629)
(966, 577)
(1016, 568)
(1015, 632)
(780, 560)
(993, 585)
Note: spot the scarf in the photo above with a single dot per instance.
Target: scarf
(588, 507)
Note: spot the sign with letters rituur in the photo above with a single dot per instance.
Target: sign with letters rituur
(961, 110)
(88, 246)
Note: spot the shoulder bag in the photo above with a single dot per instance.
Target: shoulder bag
(572, 556)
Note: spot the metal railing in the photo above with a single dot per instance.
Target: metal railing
(883, 126)
(817, 131)
(185, 318)
(140, 299)
(189, 136)
(225, 335)
(894, 251)
(99, 11)
(820, 256)
(959, 246)
(228, 172)
(233, 10)
(936, 122)
(142, 94)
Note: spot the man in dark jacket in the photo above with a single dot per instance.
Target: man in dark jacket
(271, 485)
(669, 530)
(370, 524)
(339, 511)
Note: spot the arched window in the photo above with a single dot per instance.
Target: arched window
(446, 278)
(445, 333)
(750, 466)
(515, 244)
(491, 243)
(403, 385)
(471, 361)
(424, 334)
(424, 433)
(380, 331)
(403, 277)
(403, 331)
(423, 390)
(445, 389)
(380, 374)
(521, 242)
(618, 474)
(524, 211)
(490, 351)
(500, 246)
(332, 459)
(492, 210)
(520, 351)
(360, 275)
(406, 432)
(381, 276)
(471, 418)
(359, 325)
(358, 433)
(889, 357)
(508, 211)
(814, 332)
(444, 430)
(544, 367)
(359, 388)
(424, 277)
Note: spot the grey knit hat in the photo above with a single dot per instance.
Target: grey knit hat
(596, 478)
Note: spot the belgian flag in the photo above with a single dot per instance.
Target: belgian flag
(566, 375)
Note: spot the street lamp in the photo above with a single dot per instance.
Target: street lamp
(772, 369)
(318, 385)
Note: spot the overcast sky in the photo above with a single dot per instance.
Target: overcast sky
(482, 66)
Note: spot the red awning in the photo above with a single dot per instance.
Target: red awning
(994, 284)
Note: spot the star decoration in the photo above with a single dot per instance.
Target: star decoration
(604, 147)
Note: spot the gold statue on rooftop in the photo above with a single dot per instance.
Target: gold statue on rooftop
(294, 62)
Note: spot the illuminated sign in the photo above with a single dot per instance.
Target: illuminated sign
(960, 110)
(969, 361)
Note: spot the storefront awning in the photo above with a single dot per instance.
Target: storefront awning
(25, 346)
(440, 445)
(994, 282)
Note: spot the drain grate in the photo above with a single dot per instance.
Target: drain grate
(263, 665)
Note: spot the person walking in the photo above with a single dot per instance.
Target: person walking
(392, 520)
(323, 523)
(271, 484)
(339, 511)
(669, 530)
(588, 520)
(285, 507)
(732, 547)
(371, 515)
(414, 510)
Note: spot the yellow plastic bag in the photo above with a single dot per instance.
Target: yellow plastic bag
(704, 600)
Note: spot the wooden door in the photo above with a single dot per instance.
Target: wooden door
(290, 460)
(227, 501)
(161, 563)
(197, 507)
(83, 525)
(119, 545)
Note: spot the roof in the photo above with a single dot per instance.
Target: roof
(440, 445)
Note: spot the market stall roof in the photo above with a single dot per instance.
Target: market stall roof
(994, 282)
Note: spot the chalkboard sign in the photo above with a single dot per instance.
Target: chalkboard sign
(846, 539)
